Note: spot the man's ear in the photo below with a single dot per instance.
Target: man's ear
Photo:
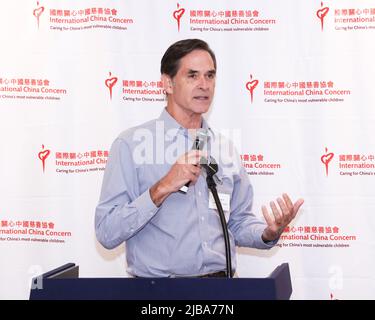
(167, 83)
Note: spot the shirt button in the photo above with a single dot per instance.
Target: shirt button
(199, 193)
(202, 218)
(131, 229)
(205, 244)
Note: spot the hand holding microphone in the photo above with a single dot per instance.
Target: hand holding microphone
(184, 172)
(187, 168)
(199, 142)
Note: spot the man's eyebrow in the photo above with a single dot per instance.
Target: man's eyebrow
(191, 71)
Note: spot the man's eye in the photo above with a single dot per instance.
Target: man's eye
(192, 75)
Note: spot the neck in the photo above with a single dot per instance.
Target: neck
(185, 118)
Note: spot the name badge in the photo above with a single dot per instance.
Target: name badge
(224, 199)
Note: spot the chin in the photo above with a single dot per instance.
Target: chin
(201, 108)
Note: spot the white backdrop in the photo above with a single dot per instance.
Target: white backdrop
(294, 83)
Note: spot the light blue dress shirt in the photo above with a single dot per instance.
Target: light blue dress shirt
(182, 237)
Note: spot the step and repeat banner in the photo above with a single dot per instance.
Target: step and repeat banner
(295, 92)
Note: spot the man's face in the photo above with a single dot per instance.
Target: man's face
(192, 88)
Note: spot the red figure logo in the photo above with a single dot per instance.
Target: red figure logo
(177, 15)
(43, 155)
(251, 85)
(326, 159)
(321, 13)
(38, 12)
(109, 83)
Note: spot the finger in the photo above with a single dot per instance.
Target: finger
(275, 212)
(297, 205)
(267, 216)
(184, 175)
(203, 153)
(199, 157)
(197, 153)
(193, 157)
(285, 211)
(187, 158)
(288, 202)
(195, 170)
(194, 177)
(183, 159)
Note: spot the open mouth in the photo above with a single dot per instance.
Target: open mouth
(201, 98)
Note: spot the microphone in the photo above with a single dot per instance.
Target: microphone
(200, 140)
(211, 166)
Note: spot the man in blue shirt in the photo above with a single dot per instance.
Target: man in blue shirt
(169, 233)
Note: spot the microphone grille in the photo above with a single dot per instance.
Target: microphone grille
(200, 139)
(202, 133)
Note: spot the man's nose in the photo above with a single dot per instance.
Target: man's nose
(203, 83)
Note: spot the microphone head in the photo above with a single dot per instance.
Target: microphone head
(200, 138)
(202, 133)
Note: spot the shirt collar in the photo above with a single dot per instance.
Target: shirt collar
(171, 126)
